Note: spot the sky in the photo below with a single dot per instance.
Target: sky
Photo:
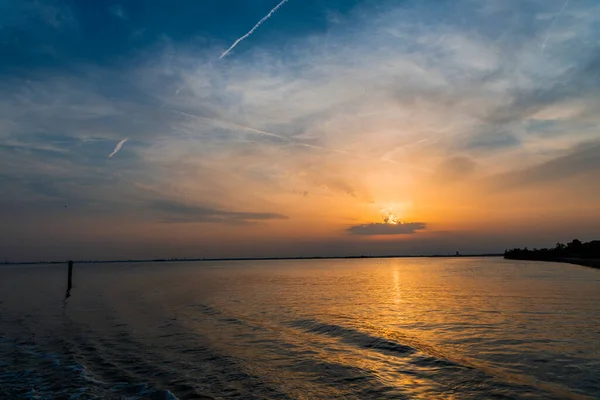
(152, 129)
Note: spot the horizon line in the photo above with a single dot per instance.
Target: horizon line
(250, 259)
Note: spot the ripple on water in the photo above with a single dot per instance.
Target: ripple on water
(29, 372)
(401, 329)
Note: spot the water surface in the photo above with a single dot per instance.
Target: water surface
(455, 328)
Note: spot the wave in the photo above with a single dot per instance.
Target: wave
(29, 372)
(365, 340)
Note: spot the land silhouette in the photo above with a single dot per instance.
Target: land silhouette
(574, 252)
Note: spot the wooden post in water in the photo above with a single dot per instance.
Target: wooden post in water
(69, 280)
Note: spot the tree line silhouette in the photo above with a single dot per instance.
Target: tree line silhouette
(573, 249)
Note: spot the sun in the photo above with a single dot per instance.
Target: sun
(389, 217)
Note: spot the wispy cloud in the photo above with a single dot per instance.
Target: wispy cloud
(118, 11)
(392, 106)
(178, 212)
(582, 160)
(266, 17)
(57, 16)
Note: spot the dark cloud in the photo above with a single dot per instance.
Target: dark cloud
(178, 212)
(582, 160)
(387, 229)
(493, 140)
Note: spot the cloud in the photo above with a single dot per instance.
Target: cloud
(557, 86)
(583, 160)
(493, 141)
(118, 11)
(455, 168)
(172, 211)
(391, 83)
(56, 16)
(566, 3)
(408, 228)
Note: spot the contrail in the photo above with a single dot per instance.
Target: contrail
(117, 147)
(553, 21)
(262, 133)
(253, 29)
(233, 125)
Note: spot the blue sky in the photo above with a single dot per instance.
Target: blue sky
(58, 34)
(476, 121)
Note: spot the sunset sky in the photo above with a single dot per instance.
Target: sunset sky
(337, 127)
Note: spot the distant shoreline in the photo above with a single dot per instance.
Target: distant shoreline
(157, 260)
(589, 262)
(586, 262)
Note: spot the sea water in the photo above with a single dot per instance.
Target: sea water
(405, 328)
